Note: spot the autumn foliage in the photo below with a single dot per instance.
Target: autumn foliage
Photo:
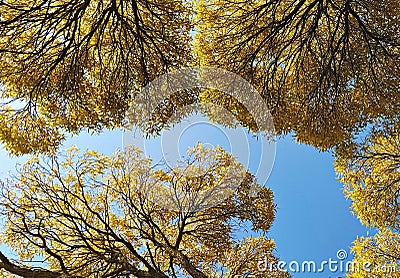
(328, 70)
(91, 215)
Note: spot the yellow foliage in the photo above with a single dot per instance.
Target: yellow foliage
(370, 172)
(78, 64)
(325, 68)
(91, 215)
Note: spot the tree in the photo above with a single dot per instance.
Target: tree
(69, 65)
(376, 256)
(371, 174)
(326, 68)
(93, 215)
(370, 171)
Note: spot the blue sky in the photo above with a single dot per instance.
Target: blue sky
(313, 220)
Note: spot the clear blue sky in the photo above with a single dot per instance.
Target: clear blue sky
(313, 220)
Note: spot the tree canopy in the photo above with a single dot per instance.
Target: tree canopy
(91, 215)
(370, 171)
(76, 64)
(328, 70)
(325, 68)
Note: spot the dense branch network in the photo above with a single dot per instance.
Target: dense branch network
(103, 216)
(68, 65)
(326, 68)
